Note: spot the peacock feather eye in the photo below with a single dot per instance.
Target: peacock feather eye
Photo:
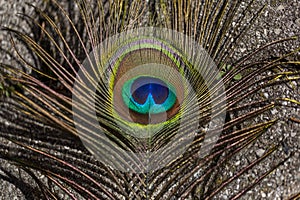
(145, 88)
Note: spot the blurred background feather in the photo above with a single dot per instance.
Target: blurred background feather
(262, 89)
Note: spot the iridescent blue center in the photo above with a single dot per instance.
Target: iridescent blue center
(143, 87)
(148, 95)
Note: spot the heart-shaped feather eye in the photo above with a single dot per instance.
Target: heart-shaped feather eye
(148, 95)
(145, 88)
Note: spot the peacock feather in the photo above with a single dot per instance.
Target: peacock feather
(152, 87)
(141, 99)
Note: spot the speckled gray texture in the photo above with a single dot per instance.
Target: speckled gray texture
(9, 11)
(280, 19)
